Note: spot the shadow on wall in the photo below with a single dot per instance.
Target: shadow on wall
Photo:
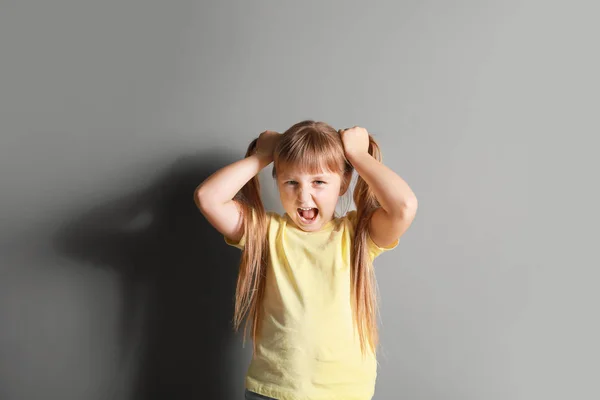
(178, 283)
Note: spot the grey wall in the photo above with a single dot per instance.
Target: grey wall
(112, 285)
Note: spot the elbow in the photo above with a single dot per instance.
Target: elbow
(209, 198)
(405, 209)
(412, 205)
(410, 209)
(200, 198)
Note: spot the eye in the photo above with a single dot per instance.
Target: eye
(320, 182)
(291, 182)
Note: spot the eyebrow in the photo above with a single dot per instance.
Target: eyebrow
(314, 177)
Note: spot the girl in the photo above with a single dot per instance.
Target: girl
(306, 281)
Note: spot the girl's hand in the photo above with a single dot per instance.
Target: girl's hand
(266, 144)
(355, 140)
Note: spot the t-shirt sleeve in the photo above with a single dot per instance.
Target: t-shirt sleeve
(242, 242)
(239, 244)
(374, 249)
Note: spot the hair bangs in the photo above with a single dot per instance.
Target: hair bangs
(312, 152)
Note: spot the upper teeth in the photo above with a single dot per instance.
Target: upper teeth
(306, 209)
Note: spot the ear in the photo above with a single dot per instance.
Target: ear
(344, 187)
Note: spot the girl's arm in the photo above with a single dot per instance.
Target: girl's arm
(214, 196)
(392, 192)
(398, 201)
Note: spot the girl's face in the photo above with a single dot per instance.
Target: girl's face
(309, 199)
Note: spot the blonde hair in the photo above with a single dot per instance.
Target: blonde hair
(310, 146)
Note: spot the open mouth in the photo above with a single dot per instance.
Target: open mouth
(308, 215)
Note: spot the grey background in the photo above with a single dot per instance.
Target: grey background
(113, 286)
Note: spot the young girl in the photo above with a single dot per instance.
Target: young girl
(306, 281)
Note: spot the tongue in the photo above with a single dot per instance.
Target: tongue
(310, 214)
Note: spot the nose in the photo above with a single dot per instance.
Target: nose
(304, 195)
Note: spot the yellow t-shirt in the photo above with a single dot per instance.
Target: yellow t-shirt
(308, 349)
